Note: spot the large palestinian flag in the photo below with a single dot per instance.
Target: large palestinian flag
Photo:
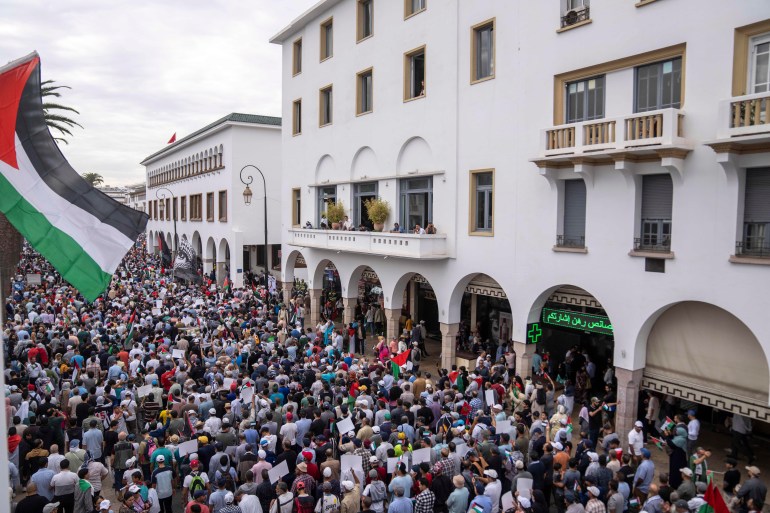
(80, 230)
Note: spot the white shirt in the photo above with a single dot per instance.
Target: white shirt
(635, 441)
(493, 490)
(693, 429)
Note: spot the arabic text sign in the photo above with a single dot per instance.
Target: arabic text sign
(578, 321)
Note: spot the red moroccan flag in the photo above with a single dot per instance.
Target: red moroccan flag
(173, 139)
(714, 499)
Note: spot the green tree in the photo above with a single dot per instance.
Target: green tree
(93, 178)
(56, 114)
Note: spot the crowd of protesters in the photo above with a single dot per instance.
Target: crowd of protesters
(162, 396)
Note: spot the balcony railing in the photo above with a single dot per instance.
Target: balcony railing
(654, 244)
(406, 245)
(752, 248)
(563, 241)
(657, 127)
(575, 16)
(744, 115)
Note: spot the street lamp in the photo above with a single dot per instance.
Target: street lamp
(162, 198)
(247, 196)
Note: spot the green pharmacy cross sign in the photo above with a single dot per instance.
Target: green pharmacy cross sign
(578, 321)
(534, 333)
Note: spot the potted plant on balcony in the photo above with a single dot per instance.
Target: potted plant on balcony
(378, 211)
(335, 213)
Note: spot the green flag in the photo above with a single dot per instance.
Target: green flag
(395, 369)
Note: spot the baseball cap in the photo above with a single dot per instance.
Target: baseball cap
(525, 503)
(682, 504)
(161, 459)
(754, 470)
(645, 452)
(491, 473)
(347, 485)
(638, 423)
(213, 411)
(105, 504)
(229, 498)
(199, 493)
(686, 471)
(50, 507)
(594, 491)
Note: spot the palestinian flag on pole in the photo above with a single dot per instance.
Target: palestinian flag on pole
(131, 320)
(396, 362)
(81, 231)
(226, 285)
(668, 425)
(715, 503)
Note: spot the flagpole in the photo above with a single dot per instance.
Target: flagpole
(5, 476)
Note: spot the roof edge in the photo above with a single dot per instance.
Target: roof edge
(301, 20)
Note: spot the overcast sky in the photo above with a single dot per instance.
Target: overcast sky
(141, 70)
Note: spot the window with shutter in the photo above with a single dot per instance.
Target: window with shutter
(574, 215)
(756, 213)
(657, 201)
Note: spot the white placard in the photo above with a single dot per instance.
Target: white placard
(352, 463)
(278, 472)
(246, 395)
(507, 500)
(189, 447)
(156, 311)
(34, 279)
(489, 395)
(524, 487)
(409, 366)
(228, 382)
(421, 455)
(503, 426)
(158, 303)
(178, 353)
(392, 464)
(462, 450)
(346, 425)
(143, 391)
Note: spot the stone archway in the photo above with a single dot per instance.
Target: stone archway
(704, 354)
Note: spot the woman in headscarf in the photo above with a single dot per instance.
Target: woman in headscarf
(13, 446)
(555, 421)
(676, 444)
(10, 411)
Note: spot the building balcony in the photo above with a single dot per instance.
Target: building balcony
(401, 245)
(743, 125)
(635, 133)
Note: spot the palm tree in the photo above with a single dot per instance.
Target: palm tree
(54, 117)
(93, 179)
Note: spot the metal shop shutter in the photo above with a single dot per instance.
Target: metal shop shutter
(657, 196)
(757, 206)
(574, 209)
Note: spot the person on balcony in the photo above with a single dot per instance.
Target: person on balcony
(419, 230)
(397, 228)
(430, 229)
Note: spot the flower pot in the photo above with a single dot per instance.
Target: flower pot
(378, 227)
(335, 226)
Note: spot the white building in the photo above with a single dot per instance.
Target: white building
(136, 196)
(116, 193)
(195, 189)
(625, 144)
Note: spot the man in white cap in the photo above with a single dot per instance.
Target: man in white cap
(492, 488)
(163, 482)
(230, 505)
(104, 506)
(212, 424)
(594, 505)
(351, 495)
(686, 490)
(636, 441)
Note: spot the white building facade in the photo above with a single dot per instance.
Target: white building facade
(598, 174)
(136, 196)
(195, 190)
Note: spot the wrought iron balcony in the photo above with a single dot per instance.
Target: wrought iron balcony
(563, 241)
(755, 247)
(654, 244)
(575, 16)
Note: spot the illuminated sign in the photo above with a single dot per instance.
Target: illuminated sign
(534, 333)
(578, 321)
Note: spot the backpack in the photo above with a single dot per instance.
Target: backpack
(149, 448)
(123, 452)
(196, 483)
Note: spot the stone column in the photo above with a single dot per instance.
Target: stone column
(524, 354)
(349, 313)
(221, 272)
(448, 344)
(628, 401)
(392, 319)
(288, 286)
(315, 307)
(474, 307)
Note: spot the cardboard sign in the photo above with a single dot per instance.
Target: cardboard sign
(277, 472)
(189, 447)
(177, 353)
(507, 500)
(503, 426)
(392, 464)
(489, 395)
(143, 391)
(421, 455)
(346, 425)
(352, 463)
(246, 395)
(524, 487)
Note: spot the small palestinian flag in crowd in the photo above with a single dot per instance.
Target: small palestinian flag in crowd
(658, 442)
(668, 425)
(397, 361)
(80, 230)
(226, 285)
